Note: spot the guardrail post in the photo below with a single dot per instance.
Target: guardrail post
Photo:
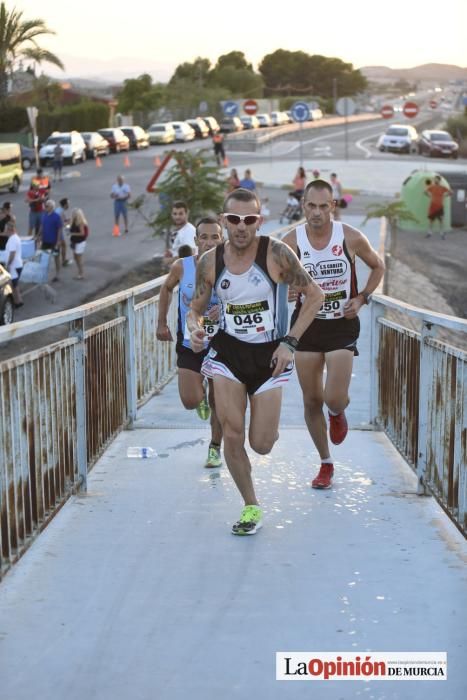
(77, 331)
(377, 310)
(425, 398)
(130, 361)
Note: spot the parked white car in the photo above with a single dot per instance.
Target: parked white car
(161, 133)
(279, 118)
(74, 147)
(183, 131)
(249, 121)
(401, 138)
(264, 119)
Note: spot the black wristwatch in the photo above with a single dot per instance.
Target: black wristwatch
(290, 342)
(366, 297)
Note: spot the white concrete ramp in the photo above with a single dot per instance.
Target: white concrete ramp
(139, 591)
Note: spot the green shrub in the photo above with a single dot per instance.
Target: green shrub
(13, 119)
(85, 116)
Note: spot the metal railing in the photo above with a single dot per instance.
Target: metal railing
(61, 405)
(419, 398)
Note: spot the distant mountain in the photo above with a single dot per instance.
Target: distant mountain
(434, 72)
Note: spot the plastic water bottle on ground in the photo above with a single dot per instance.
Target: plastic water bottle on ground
(141, 452)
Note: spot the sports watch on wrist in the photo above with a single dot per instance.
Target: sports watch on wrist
(290, 342)
(366, 297)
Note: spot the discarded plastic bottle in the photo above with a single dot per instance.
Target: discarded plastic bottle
(141, 452)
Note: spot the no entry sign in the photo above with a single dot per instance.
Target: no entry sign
(410, 109)
(250, 107)
(387, 111)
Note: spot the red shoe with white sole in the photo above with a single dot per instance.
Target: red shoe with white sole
(324, 478)
(338, 428)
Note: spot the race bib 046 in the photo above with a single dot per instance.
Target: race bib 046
(251, 317)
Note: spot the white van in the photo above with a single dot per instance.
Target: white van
(11, 172)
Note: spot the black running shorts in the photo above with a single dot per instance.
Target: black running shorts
(247, 363)
(326, 336)
(187, 359)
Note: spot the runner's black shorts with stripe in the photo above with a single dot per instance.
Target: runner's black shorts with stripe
(245, 363)
(326, 336)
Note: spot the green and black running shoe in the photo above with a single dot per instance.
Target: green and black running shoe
(250, 521)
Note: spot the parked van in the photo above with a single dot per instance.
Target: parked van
(11, 172)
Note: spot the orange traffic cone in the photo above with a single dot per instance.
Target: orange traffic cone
(226, 162)
(116, 231)
(98, 162)
(157, 161)
(126, 162)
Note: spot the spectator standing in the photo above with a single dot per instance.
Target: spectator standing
(436, 192)
(233, 181)
(50, 232)
(62, 210)
(219, 152)
(120, 194)
(299, 182)
(14, 263)
(43, 183)
(336, 195)
(248, 183)
(35, 201)
(79, 231)
(57, 162)
(5, 217)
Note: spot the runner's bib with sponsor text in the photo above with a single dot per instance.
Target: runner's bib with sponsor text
(248, 317)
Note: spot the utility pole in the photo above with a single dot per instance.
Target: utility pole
(334, 93)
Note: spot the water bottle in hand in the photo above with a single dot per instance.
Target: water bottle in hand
(141, 452)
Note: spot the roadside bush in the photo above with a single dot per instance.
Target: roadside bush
(85, 116)
(13, 119)
(457, 126)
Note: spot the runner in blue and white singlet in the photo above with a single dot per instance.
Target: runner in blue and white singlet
(185, 295)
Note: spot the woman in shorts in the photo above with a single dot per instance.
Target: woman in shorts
(79, 231)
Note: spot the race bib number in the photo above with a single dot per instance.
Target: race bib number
(254, 317)
(210, 328)
(333, 305)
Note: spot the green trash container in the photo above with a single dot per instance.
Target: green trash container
(417, 202)
(458, 183)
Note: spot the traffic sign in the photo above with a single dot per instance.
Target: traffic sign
(300, 112)
(250, 107)
(345, 106)
(433, 104)
(387, 111)
(230, 108)
(410, 109)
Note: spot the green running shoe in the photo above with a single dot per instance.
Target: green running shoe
(250, 521)
(214, 457)
(203, 410)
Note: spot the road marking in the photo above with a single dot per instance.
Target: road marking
(317, 139)
(359, 144)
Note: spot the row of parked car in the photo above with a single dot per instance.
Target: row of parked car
(404, 138)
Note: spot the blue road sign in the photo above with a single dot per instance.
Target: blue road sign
(300, 111)
(464, 100)
(230, 108)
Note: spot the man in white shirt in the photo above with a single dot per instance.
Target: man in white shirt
(14, 263)
(121, 193)
(183, 233)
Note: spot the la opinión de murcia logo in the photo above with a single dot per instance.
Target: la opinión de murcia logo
(350, 666)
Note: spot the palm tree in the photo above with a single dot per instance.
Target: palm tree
(18, 40)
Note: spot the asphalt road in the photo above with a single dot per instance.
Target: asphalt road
(88, 187)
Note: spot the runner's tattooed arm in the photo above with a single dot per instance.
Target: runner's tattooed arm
(202, 294)
(291, 272)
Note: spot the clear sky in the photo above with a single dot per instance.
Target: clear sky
(103, 38)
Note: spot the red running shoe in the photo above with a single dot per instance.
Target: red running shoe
(338, 428)
(324, 478)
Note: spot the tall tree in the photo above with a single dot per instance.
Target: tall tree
(18, 39)
(140, 94)
(233, 72)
